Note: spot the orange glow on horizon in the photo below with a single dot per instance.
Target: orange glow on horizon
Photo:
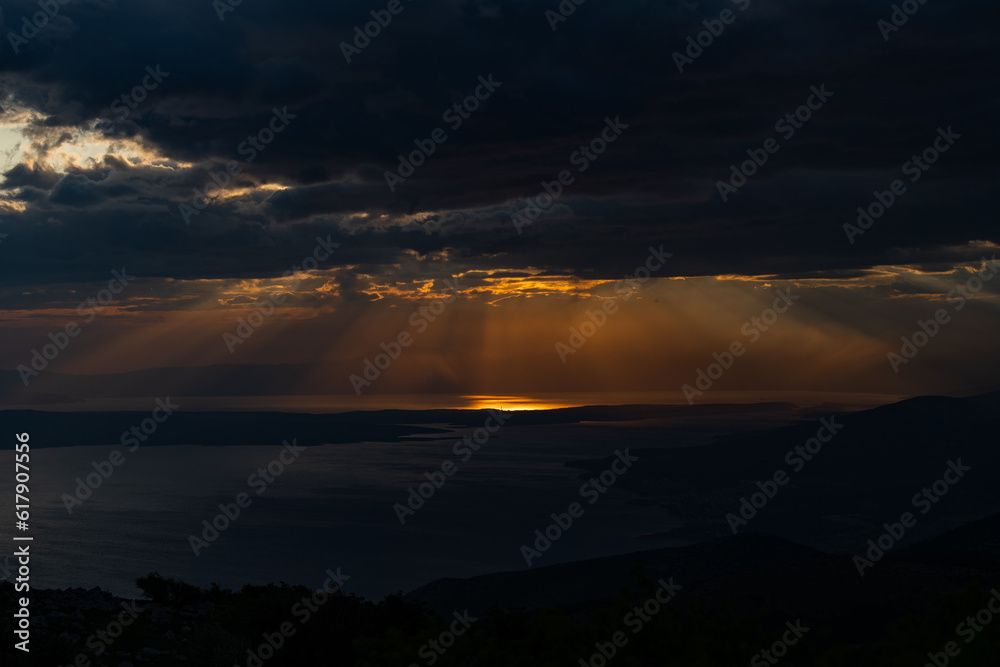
(516, 403)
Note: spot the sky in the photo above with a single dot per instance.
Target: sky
(118, 117)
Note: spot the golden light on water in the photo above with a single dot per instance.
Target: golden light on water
(516, 403)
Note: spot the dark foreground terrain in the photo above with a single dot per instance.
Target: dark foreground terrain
(718, 603)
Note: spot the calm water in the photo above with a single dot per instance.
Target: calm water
(333, 506)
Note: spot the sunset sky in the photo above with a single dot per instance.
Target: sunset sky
(80, 198)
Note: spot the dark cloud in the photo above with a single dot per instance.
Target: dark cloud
(22, 175)
(76, 190)
(656, 184)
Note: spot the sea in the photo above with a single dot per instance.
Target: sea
(337, 506)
